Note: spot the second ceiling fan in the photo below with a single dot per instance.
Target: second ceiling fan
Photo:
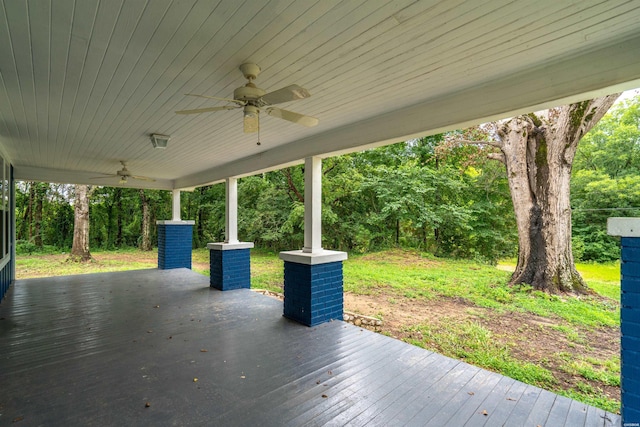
(253, 100)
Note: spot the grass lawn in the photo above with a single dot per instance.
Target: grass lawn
(462, 309)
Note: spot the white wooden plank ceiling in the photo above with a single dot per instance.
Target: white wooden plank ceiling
(83, 83)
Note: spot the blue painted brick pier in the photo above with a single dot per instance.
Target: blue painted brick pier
(630, 329)
(230, 265)
(174, 244)
(230, 269)
(629, 231)
(313, 294)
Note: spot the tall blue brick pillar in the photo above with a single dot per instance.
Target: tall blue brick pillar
(174, 244)
(313, 291)
(629, 231)
(230, 265)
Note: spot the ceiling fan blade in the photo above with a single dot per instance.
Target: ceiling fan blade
(251, 123)
(104, 176)
(206, 110)
(300, 119)
(236, 101)
(142, 178)
(286, 94)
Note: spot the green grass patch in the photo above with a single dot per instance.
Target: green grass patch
(267, 271)
(473, 343)
(419, 276)
(606, 371)
(38, 265)
(591, 396)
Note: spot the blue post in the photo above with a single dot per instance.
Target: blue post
(230, 265)
(174, 244)
(313, 286)
(629, 231)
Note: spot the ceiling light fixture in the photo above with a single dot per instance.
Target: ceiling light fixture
(159, 141)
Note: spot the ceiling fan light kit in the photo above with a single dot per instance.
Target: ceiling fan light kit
(253, 99)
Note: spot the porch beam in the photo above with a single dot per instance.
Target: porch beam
(175, 205)
(312, 205)
(231, 211)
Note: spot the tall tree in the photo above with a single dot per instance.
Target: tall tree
(145, 241)
(80, 248)
(606, 181)
(40, 192)
(538, 151)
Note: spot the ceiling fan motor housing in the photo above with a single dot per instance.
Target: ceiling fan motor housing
(249, 92)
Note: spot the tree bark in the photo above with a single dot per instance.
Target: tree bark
(538, 153)
(80, 248)
(145, 242)
(28, 214)
(117, 193)
(291, 186)
(40, 192)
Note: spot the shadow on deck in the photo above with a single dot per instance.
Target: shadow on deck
(95, 349)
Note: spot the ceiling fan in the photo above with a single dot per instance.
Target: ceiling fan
(253, 100)
(124, 175)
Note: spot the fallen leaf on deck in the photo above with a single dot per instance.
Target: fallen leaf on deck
(242, 376)
(149, 331)
(511, 399)
(156, 306)
(15, 420)
(484, 412)
(470, 393)
(195, 380)
(146, 405)
(202, 350)
(324, 396)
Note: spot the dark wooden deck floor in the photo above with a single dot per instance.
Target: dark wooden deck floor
(93, 349)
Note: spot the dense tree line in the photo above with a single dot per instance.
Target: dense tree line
(447, 200)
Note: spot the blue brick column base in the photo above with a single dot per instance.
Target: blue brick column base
(230, 265)
(174, 244)
(630, 329)
(629, 230)
(313, 289)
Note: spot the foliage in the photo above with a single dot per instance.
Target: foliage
(426, 194)
(606, 181)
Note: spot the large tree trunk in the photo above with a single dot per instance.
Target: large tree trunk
(80, 248)
(538, 154)
(145, 242)
(119, 234)
(28, 214)
(40, 194)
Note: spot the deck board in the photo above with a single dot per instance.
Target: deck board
(93, 349)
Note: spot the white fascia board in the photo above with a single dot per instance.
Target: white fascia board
(607, 69)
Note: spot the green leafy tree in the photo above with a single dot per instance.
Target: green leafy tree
(605, 180)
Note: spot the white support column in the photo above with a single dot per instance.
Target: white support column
(176, 206)
(231, 213)
(312, 205)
